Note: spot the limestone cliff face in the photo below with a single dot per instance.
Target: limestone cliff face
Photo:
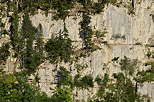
(127, 35)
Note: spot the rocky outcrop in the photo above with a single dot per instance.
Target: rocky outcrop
(127, 35)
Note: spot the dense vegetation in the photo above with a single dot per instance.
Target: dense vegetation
(59, 48)
(4, 52)
(86, 31)
(83, 82)
(31, 56)
(63, 77)
(62, 7)
(123, 90)
(14, 88)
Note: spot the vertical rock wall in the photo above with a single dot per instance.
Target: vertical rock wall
(128, 35)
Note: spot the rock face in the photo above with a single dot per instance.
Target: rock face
(127, 35)
(147, 89)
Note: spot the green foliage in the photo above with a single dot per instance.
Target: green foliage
(106, 79)
(118, 36)
(59, 48)
(32, 5)
(31, 57)
(28, 32)
(7, 92)
(130, 10)
(98, 80)
(14, 33)
(150, 54)
(63, 77)
(122, 90)
(77, 80)
(2, 1)
(102, 80)
(107, 1)
(146, 76)
(13, 88)
(2, 24)
(3, 30)
(87, 81)
(61, 15)
(86, 31)
(83, 82)
(92, 100)
(80, 67)
(128, 65)
(85, 22)
(62, 6)
(37, 78)
(86, 4)
(4, 52)
(100, 34)
(98, 8)
(152, 17)
(101, 92)
(125, 89)
(39, 46)
(62, 94)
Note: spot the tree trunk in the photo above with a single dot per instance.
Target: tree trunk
(133, 3)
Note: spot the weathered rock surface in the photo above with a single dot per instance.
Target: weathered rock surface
(127, 35)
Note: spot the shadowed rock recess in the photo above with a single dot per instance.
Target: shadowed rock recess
(76, 51)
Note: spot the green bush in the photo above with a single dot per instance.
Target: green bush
(102, 80)
(146, 76)
(63, 77)
(62, 7)
(128, 65)
(87, 81)
(80, 67)
(14, 88)
(83, 82)
(77, 80)
(62, 4)
(59, 49)
(122, 90)
(98, 80)
(97, 8)
(101, 92)
(62, 94)
(149, 54)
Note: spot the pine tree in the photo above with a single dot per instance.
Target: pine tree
(31, 56)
